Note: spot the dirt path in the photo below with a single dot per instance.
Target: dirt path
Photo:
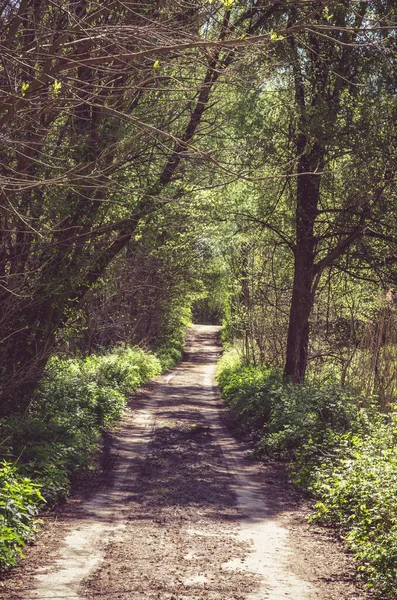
(186, 516)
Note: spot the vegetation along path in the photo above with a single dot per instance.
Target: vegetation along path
(186, 514)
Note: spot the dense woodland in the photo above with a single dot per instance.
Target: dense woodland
(226, 161)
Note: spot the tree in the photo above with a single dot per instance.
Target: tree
(89, 145)
(318, 166)
(327, 73)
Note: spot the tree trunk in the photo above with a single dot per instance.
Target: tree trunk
(298, 328)
(308, 193)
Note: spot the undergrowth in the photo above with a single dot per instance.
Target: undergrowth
(171, 340)
(340, 451)
(55, 442)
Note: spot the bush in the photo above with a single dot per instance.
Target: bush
(20, 500)
(57, 439)
(340, 452)
(288, 422)
(170, 353)
(243, 388)
(358, 491)
(171, 342)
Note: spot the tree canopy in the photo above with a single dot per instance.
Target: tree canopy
(236, 156)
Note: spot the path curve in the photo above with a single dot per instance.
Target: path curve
(187, 515)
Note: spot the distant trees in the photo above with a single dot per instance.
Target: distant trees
(149, 288)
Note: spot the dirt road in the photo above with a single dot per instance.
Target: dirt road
(185, 515)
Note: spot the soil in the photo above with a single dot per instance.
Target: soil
(183, 513)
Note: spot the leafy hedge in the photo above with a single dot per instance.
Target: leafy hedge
(171, 342)
(19, 503)
(57, 439)
(341, 452)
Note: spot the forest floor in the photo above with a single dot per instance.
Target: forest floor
(183, 513)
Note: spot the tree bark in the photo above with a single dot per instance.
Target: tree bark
(308, 194)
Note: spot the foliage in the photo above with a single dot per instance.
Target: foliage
(341, 452)
(57, 439)
(105, 158)
(290, 422)
(357, 489)
(20, 500)
(170, 346)
(300, 239)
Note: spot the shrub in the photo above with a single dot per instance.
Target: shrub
(170, 347)
(57, 439)
(296, 423)
(358, 491)
(243, 388)
(342, 453)
(20, 500)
